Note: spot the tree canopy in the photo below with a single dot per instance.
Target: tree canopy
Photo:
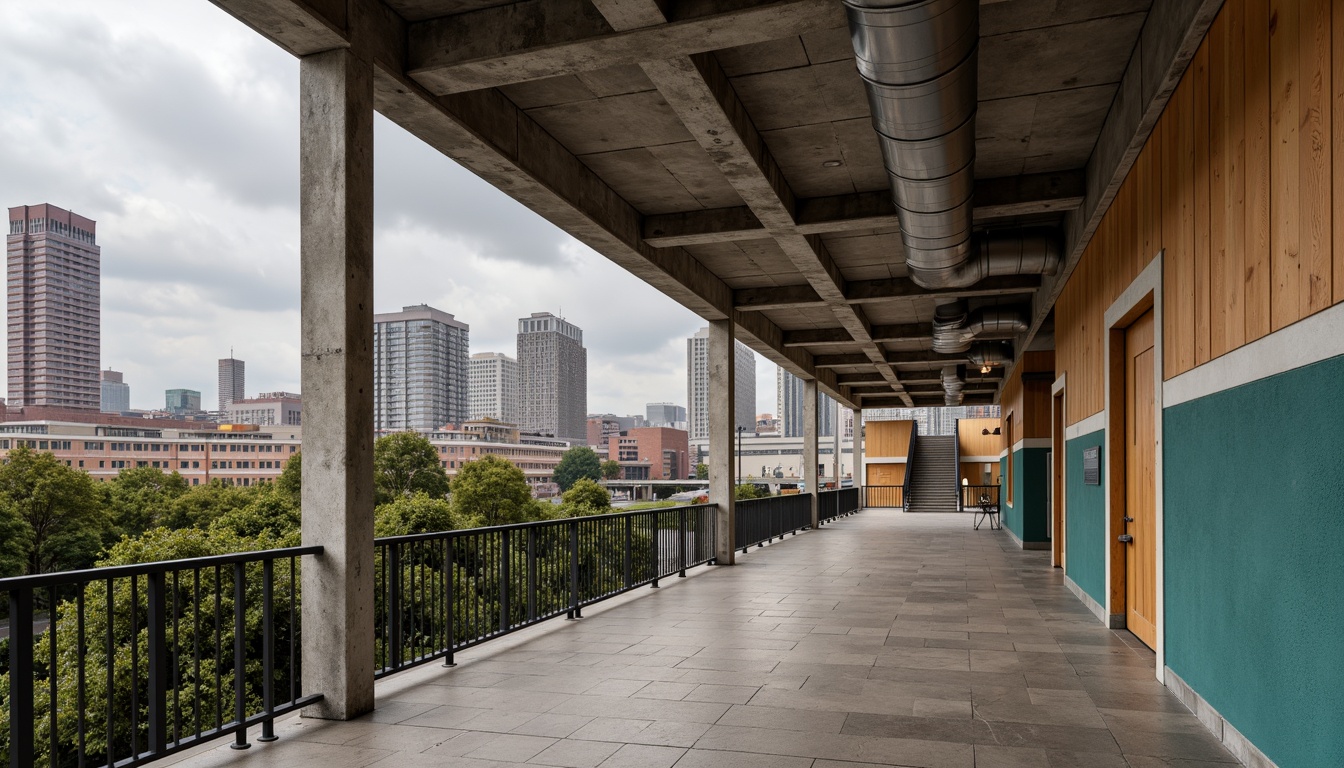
(61, 507)
(611, 469)
(143, 498)
(701, 471)
(420, 513)
(586, 497)
(405, 464)
(579, 461)
(495, 491)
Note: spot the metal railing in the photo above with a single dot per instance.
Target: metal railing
(438, 593)
(977, 496)
(137, 662)
(909, 465)
(762, 520)
(884, 496)
(836, 503)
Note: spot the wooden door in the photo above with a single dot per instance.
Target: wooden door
(884, 481)
(1140, 521)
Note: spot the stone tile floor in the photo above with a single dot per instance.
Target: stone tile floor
(883, 639)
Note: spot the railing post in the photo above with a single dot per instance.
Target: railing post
(504, 576)
(268, 649)
(158, 652)
(21, 677)
(681, 542)
(450, 593)
(239, 656)
(657, 563)
(394, 605)
(625, 556)
(531, 574)
(575, 612)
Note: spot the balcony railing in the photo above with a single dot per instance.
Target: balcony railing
(438, 593)
(884, 496)
(137, 662)
(763, 520)
(975, 497)
(837, 503)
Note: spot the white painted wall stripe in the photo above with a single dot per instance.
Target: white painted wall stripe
(1086, 427)
(1316, 338)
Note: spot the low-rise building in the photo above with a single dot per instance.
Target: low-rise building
(266, 409)
(651, 453)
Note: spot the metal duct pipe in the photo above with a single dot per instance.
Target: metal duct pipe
(952, 385)
(954, 329)
(991, 354)
(918, 62)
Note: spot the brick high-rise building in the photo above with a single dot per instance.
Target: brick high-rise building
(115, 394)
(697, 386)
(232, 381)
(494, 387)
(420, 369)
(552, 377)
(54, 265)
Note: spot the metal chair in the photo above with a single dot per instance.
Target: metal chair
(987, 510)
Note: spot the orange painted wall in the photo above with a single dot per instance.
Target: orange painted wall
(1242, 184)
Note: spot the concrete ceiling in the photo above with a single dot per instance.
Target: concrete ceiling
(723, 150)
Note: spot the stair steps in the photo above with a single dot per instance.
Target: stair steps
(933, 475)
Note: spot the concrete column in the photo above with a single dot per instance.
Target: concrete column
(722, 436)
(810, 444)
(835, 441)
(336, 216)
(856, 448)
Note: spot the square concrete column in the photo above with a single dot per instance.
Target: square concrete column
(722, 433)
(336, 255)
(836, 440)
(810, 444)
(856, 450)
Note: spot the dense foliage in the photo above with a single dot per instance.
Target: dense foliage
(494, 491)
(584, 498)
(405, 464)
(577, 462)
(611, 469)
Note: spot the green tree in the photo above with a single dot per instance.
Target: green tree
(15, 539)
(404, 464)
(579, 461)
(748, 491)
(61, 506)
(268, 515)
(143, 498)
(493, 490)
(420, 513)
(586, 497)
(290, 481)
(203, 504)
(701, 471)
(611, 469)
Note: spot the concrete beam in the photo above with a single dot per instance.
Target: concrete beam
(855, 380)
(996, 198)
(722, 422)
(535, 39)
(860, 291)
(336, 278)
(812, 337)
(1170, 37)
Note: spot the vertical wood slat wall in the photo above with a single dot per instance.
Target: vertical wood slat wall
(1027, 405)
(1241, 182)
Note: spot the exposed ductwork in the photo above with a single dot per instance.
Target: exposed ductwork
(954, 329)
(990, 353)
(952, 385)
(918, 62)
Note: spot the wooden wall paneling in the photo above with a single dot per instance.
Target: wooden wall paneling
(887, 439)
(1314, 193)
(971, 443)
(1184, 158)
(1284, 164)
(1200, 179)
(1256, 288)
(1233, 122)
(1337, 155)
(1170, 241)
(1218, 184)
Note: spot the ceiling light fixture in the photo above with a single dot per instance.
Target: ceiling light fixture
(985, 369)
(830, 164)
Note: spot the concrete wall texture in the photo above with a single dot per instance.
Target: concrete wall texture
(1255, 559)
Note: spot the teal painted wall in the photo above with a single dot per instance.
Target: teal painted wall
(1254, 532)
(1026, 516)
(1085, 519)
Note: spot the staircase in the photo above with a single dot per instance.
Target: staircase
(933, 476)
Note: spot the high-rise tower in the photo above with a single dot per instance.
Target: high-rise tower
(419, 369)
(54, 332)
(232, 381)
(789, 391)
(697, 386)
(552, 377)
(494, 386)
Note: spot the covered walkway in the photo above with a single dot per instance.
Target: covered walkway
(883, 639)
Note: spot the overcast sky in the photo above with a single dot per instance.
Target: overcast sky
(176, 129)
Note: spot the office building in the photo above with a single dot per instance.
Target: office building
(650, 453)
(420, 369)
(494, 387)
(552, 377)
(232, 381)
(115, 395)
(53, 295)
(697, 386)
(665, 415)
(789, 393)
(182, 402)
(267, 409)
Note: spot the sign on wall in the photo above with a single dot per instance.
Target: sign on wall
(1092, 465)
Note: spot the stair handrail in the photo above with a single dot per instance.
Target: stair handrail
(909, 466)
(956, 461)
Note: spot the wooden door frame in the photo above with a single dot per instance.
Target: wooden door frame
(1143, 294)
(1058, 472)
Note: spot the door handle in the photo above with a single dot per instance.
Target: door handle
(1125, 538)
(1128, 519)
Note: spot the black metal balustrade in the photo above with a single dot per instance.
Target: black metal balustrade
(763, 520)
(137, 662)
(836, 503)
(438, 593)
(977, 497)
(884, 496)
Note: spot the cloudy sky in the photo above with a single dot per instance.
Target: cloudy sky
(176, 129)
